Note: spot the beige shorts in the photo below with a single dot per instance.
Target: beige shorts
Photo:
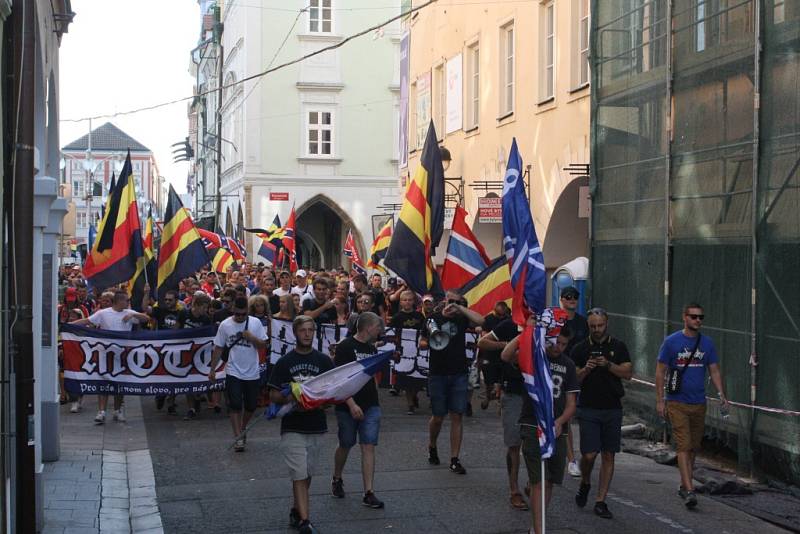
(688, 423)
(301, 454)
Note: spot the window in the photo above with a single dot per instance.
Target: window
(779, 11)
(473, 85)
(547, 53)
(320, 133)
(440, 111)
(707, 29)
(320, 16)
(507, 69)
(581, 59)
(81, 218)
(78, 187)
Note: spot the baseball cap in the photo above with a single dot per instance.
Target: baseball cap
(393, 281)
(302, 273)
(570, 291)
(427, 298)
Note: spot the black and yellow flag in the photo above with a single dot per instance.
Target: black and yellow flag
(419, 227)
(182, 252)
(118, 246)
(146, 268)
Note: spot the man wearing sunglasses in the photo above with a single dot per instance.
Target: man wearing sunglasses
(244, 335)
(686, 408)
(576, 323)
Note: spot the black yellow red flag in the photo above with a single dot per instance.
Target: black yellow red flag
(419, 227)
(118, 245)
(182, 251)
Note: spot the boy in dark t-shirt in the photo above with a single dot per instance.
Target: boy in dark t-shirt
(360, 416)
(301, 430)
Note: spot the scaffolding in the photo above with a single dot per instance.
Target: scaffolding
(695, 195)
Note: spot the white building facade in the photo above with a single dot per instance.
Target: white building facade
(320, 135)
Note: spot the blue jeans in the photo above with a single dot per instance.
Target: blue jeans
(448, 394)
(366, 430)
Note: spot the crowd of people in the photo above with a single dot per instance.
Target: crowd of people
(587, 366)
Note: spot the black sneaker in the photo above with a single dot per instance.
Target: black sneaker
(601, 509)
(337, 488)
(371, 501)
(294, 518)
(456, 467)
(433, 456)
(307, 528)
(393, 392)
(172, 410)
(582, 495)
(217, 409)
(689, 499)
(410, 410)
(191, 414)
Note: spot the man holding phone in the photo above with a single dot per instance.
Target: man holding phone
(602, 362)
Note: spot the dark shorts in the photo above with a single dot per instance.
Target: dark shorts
(553, 466)
(601, 430)
(366, 430)
(448, 394)
(492, 371)
(240, 392)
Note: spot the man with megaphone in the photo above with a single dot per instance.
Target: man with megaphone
(448, 372)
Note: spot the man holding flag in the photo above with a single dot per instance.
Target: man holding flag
(565, 389)
(301, 430)
(529, 282)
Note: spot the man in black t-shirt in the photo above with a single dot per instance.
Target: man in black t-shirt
(167, 316)
(565, 389)
(321, 307)
(301, 430)
(407, 318)
(602, 363)
(360, 416)
(197, 317)
(489, 359)
(511, 399)
(580, 331)
(448, 373)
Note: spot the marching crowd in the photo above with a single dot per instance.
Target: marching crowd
(587, 366)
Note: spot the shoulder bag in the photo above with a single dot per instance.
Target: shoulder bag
(675, 377)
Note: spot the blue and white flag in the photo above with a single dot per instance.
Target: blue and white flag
(520, 244)
(539, 384)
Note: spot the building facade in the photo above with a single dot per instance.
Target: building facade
(696, 136)
(88, 164)
(486, 74)
(29, 397)
(318, 136)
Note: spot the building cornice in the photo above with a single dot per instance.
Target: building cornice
(269, 180)
(319, 86)
(320, 37)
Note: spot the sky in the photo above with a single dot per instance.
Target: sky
(122, 55)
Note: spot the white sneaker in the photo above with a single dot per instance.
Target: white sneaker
(574, 470)
(119, 415)
(75, 407)
(100, 418)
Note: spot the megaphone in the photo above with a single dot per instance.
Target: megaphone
(438, 339)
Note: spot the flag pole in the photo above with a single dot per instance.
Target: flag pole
(543, 492)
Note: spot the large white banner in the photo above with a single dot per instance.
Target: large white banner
(455, 102)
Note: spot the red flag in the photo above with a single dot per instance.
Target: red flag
(288, 241)
(466, 258)
(351, 252)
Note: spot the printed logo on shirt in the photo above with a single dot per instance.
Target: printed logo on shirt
(303, 371)
(684, 355)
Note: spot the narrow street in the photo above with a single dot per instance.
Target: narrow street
(202, 486)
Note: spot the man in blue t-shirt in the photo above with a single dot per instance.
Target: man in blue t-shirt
(686, 409)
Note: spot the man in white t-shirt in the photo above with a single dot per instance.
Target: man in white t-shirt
(302, 287)
(121, 318)
(284, 284)
(244, 335)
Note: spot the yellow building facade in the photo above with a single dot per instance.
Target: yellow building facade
(490, 72)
